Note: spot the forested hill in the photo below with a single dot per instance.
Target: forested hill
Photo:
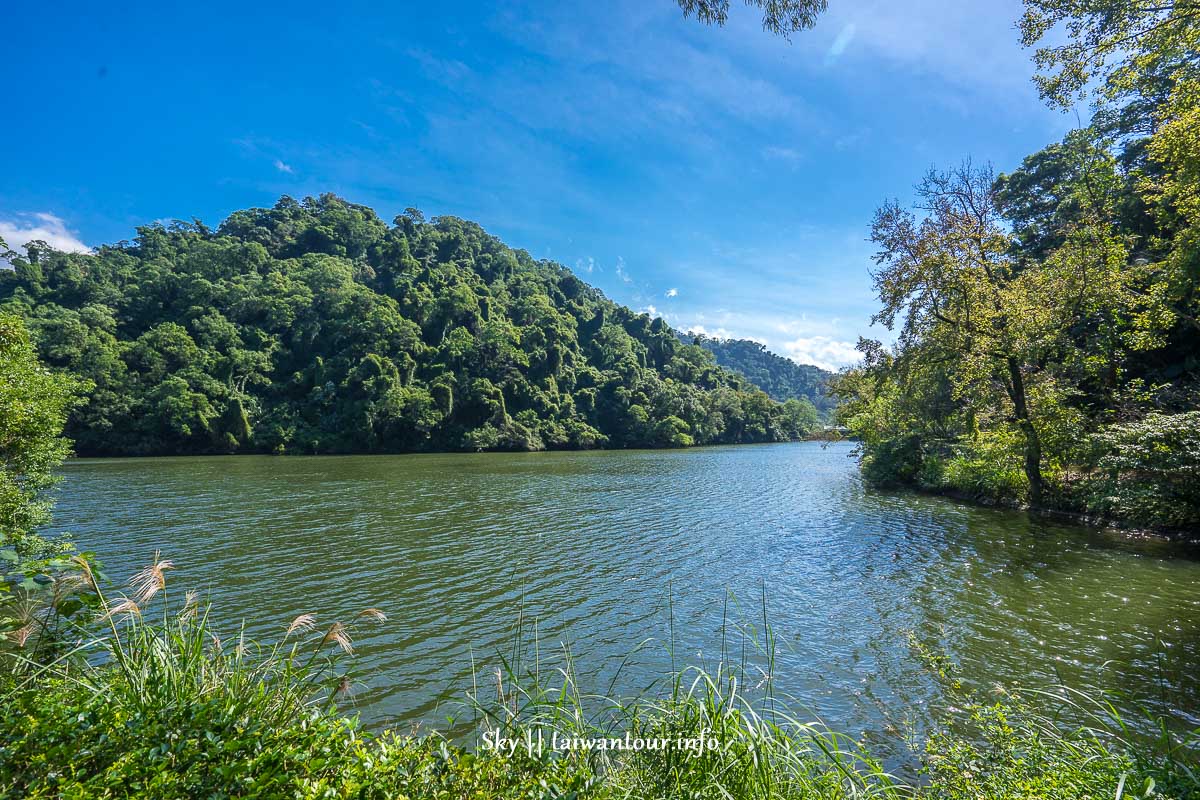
(314, 327)
(781, 378)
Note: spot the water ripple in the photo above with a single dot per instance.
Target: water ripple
(603, 550)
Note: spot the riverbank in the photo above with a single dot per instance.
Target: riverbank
(172, 711)
(1114, 526)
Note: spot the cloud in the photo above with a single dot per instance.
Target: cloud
(970, 44)
(842, 41)
(651, 310)
(621, 273)
(821, 351)
(585, 265)
(720, 333)
(672, 292)
(448, 72)
(282, 167)
(42, 227)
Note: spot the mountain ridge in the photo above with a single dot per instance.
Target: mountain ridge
(780, 377)
(314, 327)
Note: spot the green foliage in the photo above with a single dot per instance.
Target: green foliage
(781, 378)
(1049, 316)
(1117, 46)
(1010, 756)
(986, 468)
(169, 710)
(42, 601)
(799, 418)
(147, 701)
(313, 327)
(34, 403)
(781, 17)
(895, 462)
(1148, 470)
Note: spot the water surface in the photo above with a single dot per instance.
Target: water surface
(604, 549)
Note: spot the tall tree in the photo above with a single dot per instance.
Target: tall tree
(1119, 47)
(313, 326)
(949, 278)
(34, 403)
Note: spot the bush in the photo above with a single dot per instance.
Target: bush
(1148, 471)
(988, 468)
(164, 709)
(893, 462)
(64, 741)
(168, 710)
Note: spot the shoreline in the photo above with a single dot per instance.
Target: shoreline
(1121, 528)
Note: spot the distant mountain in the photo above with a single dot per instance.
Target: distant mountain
(781, 378)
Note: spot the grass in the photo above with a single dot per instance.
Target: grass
(147, 702)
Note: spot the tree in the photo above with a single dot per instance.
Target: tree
(1049, 319)
(781, 378)
(1125, 48)
(313, 327)
(34, 404)
(949, 277)
(781, 17)
(798, 417)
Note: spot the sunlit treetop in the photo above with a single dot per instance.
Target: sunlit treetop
(1120, 47)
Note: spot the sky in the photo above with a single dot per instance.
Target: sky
(723, 178)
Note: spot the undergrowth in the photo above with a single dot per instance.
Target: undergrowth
(142, 699)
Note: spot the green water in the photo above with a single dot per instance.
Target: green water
(605, 549)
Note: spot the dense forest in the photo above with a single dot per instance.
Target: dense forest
(314, 327)
(781, 378)
(1049, 342)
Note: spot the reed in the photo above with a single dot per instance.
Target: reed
(150, 702)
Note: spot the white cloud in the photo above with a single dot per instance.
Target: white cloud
(585, 265)
(844, 37)
(651, 310)
(42, 227)
(720, 333)
(971, 44)
(821, 351)
(621, 273)
(282, 167)
(672, 292)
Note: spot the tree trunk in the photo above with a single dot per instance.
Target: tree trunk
(1033, 445)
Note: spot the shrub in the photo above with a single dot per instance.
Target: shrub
(164, 708)
(893, 462)
(1149, 471)
(989, 468)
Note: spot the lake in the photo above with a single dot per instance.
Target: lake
(603, 550)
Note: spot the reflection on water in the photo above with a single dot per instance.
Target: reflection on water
(457, 547)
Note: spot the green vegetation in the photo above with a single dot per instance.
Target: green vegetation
(138, 696)
(781, 378)
(781, 17)
(33, 407)
(313, 327)
(1048, 318)
(149, 702)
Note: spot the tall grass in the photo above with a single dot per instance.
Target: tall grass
(148, 702)
(753, 744)
(147, 652)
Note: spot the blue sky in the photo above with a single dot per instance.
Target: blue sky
(721, 177)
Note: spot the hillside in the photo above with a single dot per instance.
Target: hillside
(314, 327)
(781, 378)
